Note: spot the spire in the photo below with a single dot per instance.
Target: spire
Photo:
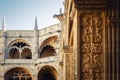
(3, 24)
(36, 26)
(60, 10)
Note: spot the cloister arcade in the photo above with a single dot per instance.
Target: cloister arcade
(21, 49)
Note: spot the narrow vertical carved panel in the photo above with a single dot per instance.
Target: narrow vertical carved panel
(92, 61)
(69, 66)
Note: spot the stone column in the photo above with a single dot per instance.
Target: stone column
(35, 44)
(1, 77)
(76, 46)
(4, 46)
(35, 77)
(68, 64)
(113, 56)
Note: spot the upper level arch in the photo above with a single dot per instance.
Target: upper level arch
(50, 40)
(47, 51)
(48, 47)
(19, 49)
(19, 40)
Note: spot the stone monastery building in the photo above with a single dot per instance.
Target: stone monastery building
(85, 45)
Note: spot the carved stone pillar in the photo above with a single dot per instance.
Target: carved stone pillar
(113, 56)
(68, 62)
(4, 46)
(113, 41)
(92, 45)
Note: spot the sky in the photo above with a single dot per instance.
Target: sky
(20, 14)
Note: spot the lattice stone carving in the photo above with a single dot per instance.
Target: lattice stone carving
(91, 57)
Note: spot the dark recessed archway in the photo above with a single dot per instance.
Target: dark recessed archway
(18, 74)
(48, 73)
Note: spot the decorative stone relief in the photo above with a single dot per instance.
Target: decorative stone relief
(92, 46)
(69, 67)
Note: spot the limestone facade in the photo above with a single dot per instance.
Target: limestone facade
(25, 54)
(83, 46)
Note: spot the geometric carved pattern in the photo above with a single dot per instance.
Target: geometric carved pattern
(91, 56)
(19, 50)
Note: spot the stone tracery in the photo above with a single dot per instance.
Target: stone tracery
(47, 51)
(19, 50)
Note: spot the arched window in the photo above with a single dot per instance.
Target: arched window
(19, 50)
(48, 47)
(47, 51)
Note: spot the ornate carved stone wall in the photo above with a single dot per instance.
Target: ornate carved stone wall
(92, 46)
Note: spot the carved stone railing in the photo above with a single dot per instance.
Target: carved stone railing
(20, 33)
(47, 59)
(30, 33)
(18, 61)
(30, 61)
(50, 29)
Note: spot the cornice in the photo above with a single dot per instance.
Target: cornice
(90, 4)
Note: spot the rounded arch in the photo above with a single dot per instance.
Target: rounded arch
(51, 41)
(47, 51)
(19, 49)
(48, 47)
(48, 72)
(18, 73)
(19, 40)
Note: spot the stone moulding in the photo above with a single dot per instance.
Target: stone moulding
(91, 4)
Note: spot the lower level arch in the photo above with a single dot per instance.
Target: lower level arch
(18, 74)
(48, 73)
